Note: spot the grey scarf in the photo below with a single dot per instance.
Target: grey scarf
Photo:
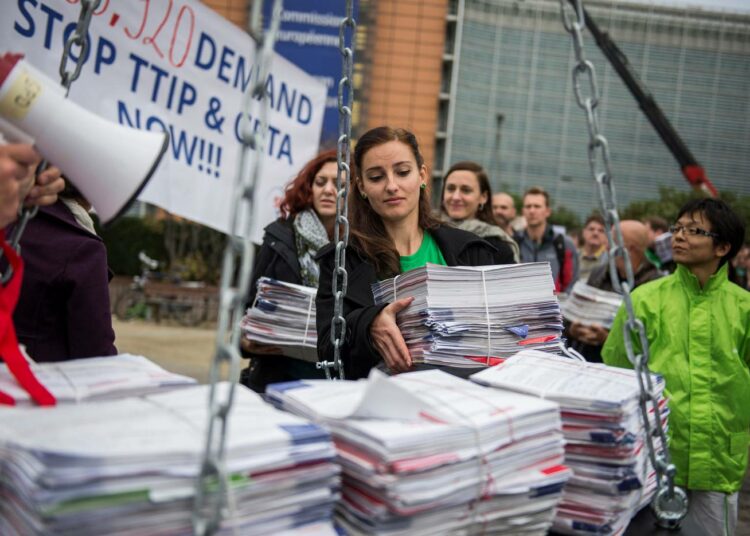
(309, 235)
(484, 230)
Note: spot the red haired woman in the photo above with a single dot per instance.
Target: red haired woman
(308, 214)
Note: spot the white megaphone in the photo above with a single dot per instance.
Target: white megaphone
(109, 163)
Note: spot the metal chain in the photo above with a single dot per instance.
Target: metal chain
(670, 502)
(76, 38)
(343, 181)
(212, 486)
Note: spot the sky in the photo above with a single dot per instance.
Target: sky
(734, 6)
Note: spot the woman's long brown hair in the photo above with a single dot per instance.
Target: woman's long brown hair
(368, 234)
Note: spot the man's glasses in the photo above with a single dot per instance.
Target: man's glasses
(691, 231)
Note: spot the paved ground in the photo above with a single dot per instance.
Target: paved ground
(189, 351)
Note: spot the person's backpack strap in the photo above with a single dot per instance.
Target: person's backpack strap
(559, 243)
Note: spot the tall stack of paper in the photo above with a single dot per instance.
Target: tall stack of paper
(282, 320)
(95, 378)
(129, 467)
(426, 453)
(605, 442)
(589, 305)
(468, 316)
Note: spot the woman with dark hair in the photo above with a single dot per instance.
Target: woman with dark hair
(467, 204)
(392, 231)
(290, 244)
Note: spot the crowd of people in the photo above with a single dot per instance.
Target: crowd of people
(691, 295)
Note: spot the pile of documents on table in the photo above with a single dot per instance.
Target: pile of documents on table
(95, 378)
(426, 452)
(605, 442)
(470, 316)
(282, 320)
(129, 467)
(589, 305)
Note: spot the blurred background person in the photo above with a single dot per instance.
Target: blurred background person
(64, 311)
(290, 244)
(539, 242)
(393, 230)
(589, 339)
(741, 265)
(466, 205)
(504, 210)
(593, 244)
(655, 227)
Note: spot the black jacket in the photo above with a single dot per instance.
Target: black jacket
(277, 258)
(459, 248)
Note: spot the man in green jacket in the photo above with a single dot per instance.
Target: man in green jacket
(698, 329)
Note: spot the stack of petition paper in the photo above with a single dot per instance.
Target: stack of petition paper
(470, 316)
(426, 452)
(589, 305)
(129, 466)
(97, 378)
(605, 441)
(282, 320)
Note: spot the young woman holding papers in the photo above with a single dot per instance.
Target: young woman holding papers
(308, 213)
(466, 204)
(392, 231)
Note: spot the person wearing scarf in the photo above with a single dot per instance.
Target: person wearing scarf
(290, 244)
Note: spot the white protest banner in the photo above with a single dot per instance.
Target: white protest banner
(177, 66)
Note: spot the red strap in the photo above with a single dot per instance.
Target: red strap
(9, 350)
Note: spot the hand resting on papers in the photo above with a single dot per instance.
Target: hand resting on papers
(387, 338)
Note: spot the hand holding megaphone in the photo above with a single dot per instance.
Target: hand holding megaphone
(109, 163)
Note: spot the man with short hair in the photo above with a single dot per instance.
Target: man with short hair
(504, 209)
(594, 244)
(589, 339)
(539, 243)
(696, 325)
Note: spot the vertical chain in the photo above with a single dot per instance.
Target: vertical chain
(670, 502)
(212, 486)
(343, 181)
(77, 38)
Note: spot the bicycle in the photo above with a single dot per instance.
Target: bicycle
(152, 295)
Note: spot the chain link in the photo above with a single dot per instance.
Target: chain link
(343, 181)
(78, 37)
(670, 502)
(212, 487)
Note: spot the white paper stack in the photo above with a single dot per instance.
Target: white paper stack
(282, 319)
(605, 441)
(95, 378)
(128, 467)
(426, 453)
(589, 305)
(469, 316)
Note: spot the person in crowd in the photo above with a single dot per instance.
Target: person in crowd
(696, 325)
(63, 311)
(290, 244)
(656, 226)
(392, 231)
(539, 242)
(594, 244)
(588, 340)
(504, 210)
(742, 267)
(466, 195)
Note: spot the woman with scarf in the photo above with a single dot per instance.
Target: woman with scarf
(308, 214)
(467, 204)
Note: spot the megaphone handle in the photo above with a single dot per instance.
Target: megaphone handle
(15, 238)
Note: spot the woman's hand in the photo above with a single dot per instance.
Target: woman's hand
(387, 338)
(44, 192)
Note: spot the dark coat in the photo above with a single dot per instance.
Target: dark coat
(600, 278)
(63, 311)
(459, 248)
(277, 258)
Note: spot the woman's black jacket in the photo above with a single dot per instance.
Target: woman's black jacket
(459, 248)
(277, 257)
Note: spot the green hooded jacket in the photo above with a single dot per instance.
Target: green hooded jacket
(699, 341)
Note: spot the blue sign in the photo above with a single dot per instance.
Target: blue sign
(309, 38)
